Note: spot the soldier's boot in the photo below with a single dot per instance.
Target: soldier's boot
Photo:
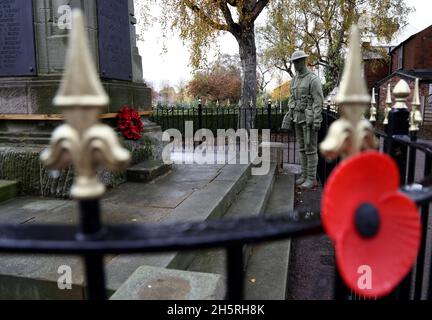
(311, 181)
(303, 176)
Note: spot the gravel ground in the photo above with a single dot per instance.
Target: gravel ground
(311, 271)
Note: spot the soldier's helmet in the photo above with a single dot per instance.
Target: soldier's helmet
(299, 54)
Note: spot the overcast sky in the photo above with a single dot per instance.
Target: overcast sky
(172, 66)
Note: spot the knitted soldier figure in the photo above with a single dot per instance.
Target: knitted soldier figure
(305, 112)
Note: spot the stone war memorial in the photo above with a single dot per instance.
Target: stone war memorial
(33, 40)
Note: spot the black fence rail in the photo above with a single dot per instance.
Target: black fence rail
(93, 240)
(216, 118)
(416, 181)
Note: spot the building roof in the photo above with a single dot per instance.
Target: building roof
(424, 75)
(408, 39)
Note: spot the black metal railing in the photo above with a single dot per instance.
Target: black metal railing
(92, 240)
(414, 160)
(216, 118)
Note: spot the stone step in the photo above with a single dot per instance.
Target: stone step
(150, 283)
(25, 137)
(147, 171)
(188, 193)
(210, 202)
(8, 189)
(267, 272)
(26, 134)
(251, 202)
(26, 140)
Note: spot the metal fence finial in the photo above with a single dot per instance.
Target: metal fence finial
(401, 92)
(415, 115)
(373, 109)
(81, 85)
(351, 133)
(82, 141)
(389, 103)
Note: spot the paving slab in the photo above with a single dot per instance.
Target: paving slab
(30, 277)
(149, 283)
(210, 202)
(25, 209)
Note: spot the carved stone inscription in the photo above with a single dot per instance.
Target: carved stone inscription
(17, 49)
(114, 39)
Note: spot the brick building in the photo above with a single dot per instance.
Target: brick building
(375, 66)
(409, 60)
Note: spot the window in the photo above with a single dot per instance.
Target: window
(401, 57)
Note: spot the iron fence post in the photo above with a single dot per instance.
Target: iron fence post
(412, 158)
(235, 272)
(398, 125)
(269, 106)
(91, 229)
(200, 113)
(422, 251)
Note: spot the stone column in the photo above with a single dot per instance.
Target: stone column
(52, 34)
(110, 25)
(137, 70)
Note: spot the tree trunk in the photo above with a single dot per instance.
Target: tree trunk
(248, 57)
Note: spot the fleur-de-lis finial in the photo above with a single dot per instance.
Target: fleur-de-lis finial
(415, 115)
(373, 109)
(351, 134)
(82, 141)
(388, 106)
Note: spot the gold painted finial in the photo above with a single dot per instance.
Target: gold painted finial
(353, 89)
(351, 134)
(82, 141)
(388, 106)
(401, 92)
(373, 109)
(415, 115)
(81, 85)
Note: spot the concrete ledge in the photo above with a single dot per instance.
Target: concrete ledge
(267, 272)
(251, 202)
(209, 202)
(147, 171)
(276, 153)
(8, 189)
(149, 283)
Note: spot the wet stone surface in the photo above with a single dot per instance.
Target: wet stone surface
(311, 272)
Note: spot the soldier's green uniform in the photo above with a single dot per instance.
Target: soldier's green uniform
(305, 112)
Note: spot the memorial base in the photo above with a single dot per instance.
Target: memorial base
(34, 95)
(20, 151)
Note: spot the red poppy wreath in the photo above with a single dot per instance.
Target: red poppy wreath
(129, 123)
(375, 228)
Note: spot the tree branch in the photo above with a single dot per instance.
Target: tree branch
(202, 15)
(258, 8)
(234, 27)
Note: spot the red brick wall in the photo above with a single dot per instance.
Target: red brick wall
(417, 52)
(375, 71)
(424, 90)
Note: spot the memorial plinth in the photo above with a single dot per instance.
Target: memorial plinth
(34, 38)
(33, 41)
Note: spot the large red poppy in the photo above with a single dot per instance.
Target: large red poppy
(375, 228)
